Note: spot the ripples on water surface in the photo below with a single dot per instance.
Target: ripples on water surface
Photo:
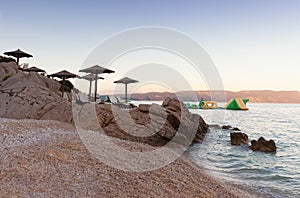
(276, 174)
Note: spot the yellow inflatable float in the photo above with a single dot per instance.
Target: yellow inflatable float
(209, 105)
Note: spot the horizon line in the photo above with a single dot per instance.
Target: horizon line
(249, 90)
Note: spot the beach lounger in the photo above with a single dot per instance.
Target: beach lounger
(81, 99)
(120, 100)
(119, 104)
(24, 66)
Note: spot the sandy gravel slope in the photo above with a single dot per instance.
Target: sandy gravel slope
(48, 159)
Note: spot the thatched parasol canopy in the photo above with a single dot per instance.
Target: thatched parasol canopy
(91, 77)
(96, 69)
(33, 69)
(126, 81)
(18, 54)
(63, 75)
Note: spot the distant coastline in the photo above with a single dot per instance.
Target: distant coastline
(255, 96)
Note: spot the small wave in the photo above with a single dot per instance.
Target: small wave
(276, 174)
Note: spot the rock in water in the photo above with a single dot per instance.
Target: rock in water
(263, 145)
(226, 127)
(31, 96)
(238, 138)
(236, 129)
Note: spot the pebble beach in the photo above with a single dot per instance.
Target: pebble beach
(41, 158)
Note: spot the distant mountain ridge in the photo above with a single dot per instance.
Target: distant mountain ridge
(256, 96)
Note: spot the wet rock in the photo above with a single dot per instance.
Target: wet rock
(226, 127)
(263, 145)
(238, 138)
(236, 129)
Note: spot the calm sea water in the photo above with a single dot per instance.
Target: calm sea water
(273, 174)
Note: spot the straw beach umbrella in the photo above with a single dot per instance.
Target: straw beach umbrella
(126, 81)
(18, 54)
(96, 69)
(91, 77)
(63, 75)
(33, 69)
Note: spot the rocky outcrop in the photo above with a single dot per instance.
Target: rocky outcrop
(180, 118)
(31, 96)
(263, 145)
(7, 70)
(152, 124)
(228, 127)
(238, 138)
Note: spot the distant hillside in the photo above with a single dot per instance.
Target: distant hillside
(264, 96)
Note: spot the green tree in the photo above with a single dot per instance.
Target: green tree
(68, 86)
(6, 59)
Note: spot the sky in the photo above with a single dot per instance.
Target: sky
(254, 44)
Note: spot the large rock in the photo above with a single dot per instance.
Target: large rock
(8, 69)
(238, 138)
(152, 124)
(144, 108)
(263, 145)
(31, 96)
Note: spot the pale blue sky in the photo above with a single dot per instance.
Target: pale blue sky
(254, 44)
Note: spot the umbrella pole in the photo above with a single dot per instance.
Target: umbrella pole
(125, 93)
(17, 60)
(96, 86)
(90, 91)
(63, 86)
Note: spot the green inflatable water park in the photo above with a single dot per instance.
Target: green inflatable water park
(237, 104)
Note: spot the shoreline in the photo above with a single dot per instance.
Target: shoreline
(55, 162)
(248, 189)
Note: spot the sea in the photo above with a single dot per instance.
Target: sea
(274, 174)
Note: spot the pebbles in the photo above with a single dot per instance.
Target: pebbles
(48, 159)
